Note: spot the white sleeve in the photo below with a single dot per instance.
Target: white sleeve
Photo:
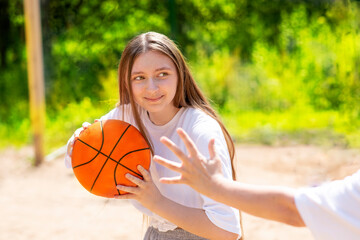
(219, 214)
(332, 210)
(68, 154)
(115, 113)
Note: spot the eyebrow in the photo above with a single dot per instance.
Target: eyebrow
(156, 70)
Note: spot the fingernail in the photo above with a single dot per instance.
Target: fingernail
(139, 167)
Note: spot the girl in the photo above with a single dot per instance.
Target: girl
(157, 95)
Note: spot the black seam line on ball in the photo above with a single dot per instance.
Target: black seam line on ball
(108, 157)
(112, 150)
(118, 163)
(98, 151)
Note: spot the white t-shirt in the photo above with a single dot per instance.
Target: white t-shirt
(332, 210)
(201, 128)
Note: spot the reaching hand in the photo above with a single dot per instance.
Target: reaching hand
(145, 192)
(200, 173)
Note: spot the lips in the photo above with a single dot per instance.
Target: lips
(153, 99)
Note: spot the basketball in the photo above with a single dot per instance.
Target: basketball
(105, 152)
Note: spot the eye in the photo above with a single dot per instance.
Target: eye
(138, 78)
(163, 74)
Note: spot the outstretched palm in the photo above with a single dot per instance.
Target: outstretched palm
(195, 170)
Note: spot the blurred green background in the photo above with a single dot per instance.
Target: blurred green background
(278, 72)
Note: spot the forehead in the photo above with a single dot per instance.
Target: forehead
(152, 60)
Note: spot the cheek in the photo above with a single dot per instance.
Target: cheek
(174, 86)
(136, 89)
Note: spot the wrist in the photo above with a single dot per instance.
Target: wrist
(158, 204)
(215, 186)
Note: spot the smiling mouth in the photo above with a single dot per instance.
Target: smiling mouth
(154, 99)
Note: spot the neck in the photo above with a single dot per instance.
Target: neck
(160, 119)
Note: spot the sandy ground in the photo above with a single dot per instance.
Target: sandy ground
(48, 203)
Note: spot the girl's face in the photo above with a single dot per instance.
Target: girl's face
(154, 80)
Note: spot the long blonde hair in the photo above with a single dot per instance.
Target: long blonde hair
(188, 94)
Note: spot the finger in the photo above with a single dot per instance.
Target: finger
(145, 173)
(169, 144)
(212, 150)
(77, 132)
(167, 163)
(128, 189)
(173, 180)
(134, 179)
(86, 125)
(125, 196)
(189, 144)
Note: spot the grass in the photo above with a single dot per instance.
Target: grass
(327, 128)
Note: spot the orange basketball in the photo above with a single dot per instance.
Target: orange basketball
(105, 152)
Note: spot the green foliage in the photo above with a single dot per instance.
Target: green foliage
(277, 71)
(60, 125)
(95, 35)
(297, 126)
(17, 133)
(305, 89)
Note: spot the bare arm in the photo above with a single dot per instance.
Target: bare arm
(273, 203)
(190, 219)
(204, 175)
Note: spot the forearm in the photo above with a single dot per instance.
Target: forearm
(191, 219)
(273, 203)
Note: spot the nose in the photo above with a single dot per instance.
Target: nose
(152, 85)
